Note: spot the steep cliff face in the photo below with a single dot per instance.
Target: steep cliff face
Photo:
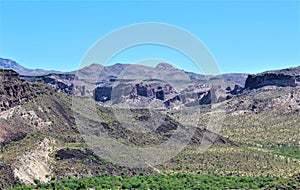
(62, 82)
(27, 110)
(13, 90)
(103, 93)
(270, 79)
(163, 93)
(156, 91)
(14, 93)
(281, 78)
(133, 91)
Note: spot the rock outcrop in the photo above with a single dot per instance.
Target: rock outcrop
(151, 91)
(103, 93)
(281, 78)
(35, 164)
(62, 82)
(237, 89)
(65, 153)
(13, 90)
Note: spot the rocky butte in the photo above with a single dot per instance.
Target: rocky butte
(280, 78)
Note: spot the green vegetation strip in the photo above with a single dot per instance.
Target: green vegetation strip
(288, 151)
(170, 181)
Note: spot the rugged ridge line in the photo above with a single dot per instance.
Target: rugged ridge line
(281, 78)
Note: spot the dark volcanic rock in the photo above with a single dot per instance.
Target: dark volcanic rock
(169, 101)
(144, 90)
(150, 91)
(205, 97)
(74, 153)
(62, 82)
(237, 90)
(272, 79)
(160, 94)
(280, 78)
(13, 137)
(103, 93)
(13, 90)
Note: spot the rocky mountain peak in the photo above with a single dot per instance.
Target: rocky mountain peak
(7, 63)
(10, 64)
(164, 66)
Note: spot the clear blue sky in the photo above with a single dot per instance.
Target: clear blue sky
(243, 36)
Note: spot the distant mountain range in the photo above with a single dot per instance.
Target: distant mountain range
(162, 86)
(10, 64)
(92, 71)
(166, 85)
